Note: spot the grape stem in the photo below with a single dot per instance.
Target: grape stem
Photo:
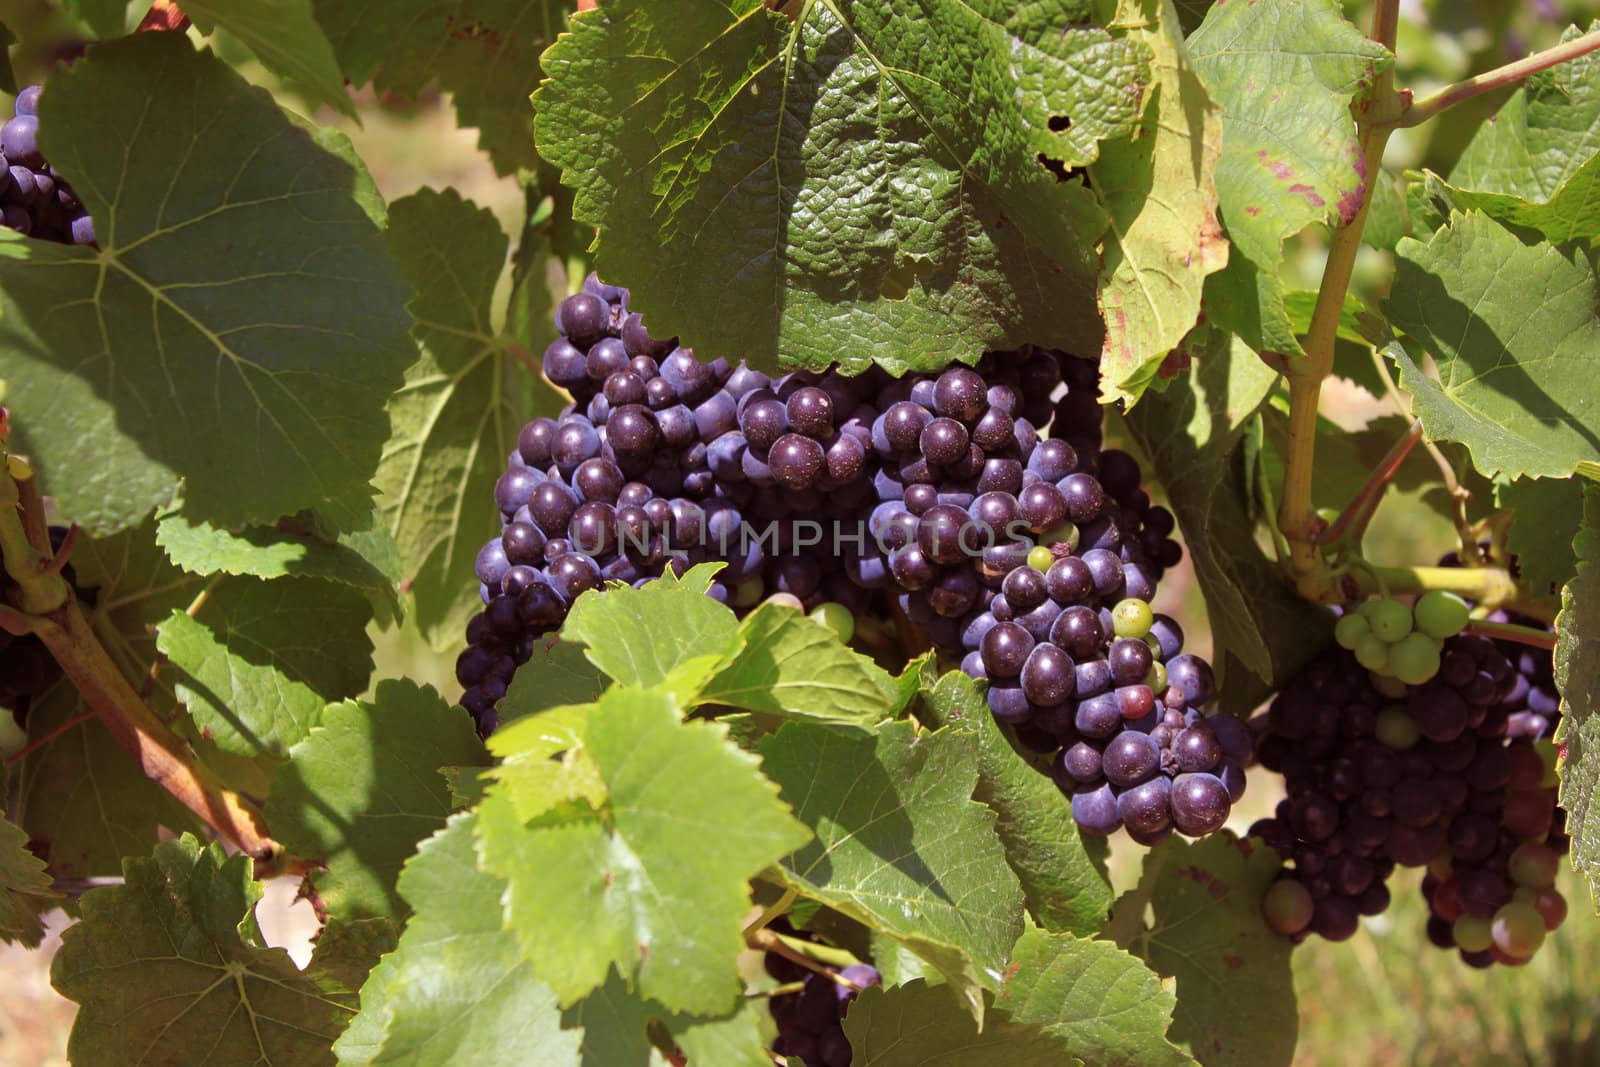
(777, 908)
(1364, 504)
(1509, 74)
(45, 738)
(1492, 587)
(820, 959)
(1510, 631)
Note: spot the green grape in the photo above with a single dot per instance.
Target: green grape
(1440, 614)
(1414, 658)
(1287, 906)
(1473, 934)
(1131, 618)
(1390, 620)
(748, 592)
(1367, 607)
(836, 617)
(786, 600)
(1066, 533)
(1040, 558)
(1350, 629)
(1157, 678)
(1389, 686)
(1372, 653)
(1395, 727)
(1517, 929)
(1533, 865)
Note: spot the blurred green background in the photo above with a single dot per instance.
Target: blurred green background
(1387, 996)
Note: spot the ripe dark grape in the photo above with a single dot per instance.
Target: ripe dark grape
(1200, 803)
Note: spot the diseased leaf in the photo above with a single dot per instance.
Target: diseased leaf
(25, 889)
(240, 327)
(1512, 329)
(1162, 202)
(1285, 74)
(900, 844)
(1110, 1010)
(654, 881)
(364, 788)
(457, 417)
(860, 184)
(926, 1024)
(1063, 888)
(173, 961)
(455, 989)
(259, 660)
(1577, 661)
(789, 665)
(1235, 992)
(286, 38)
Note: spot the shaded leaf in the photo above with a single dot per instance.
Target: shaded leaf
(1546, 515)
(925, 1024)
(1577, 661)
(25, 889)
(285, 38)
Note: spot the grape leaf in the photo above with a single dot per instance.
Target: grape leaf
(925, 1024)
(1512, 329)
(655, 880)
(484, 53)
(1235, 992)
(1063, 888)
(1537, 164)
(286, 39)
(8, 74)
(173, 961)
(644, 636)
(289, 547)
(900, 845)
(858, 185)
(83, 800)
(240, 327)
(1191, 437)
(614, 1021)
(456, 420)
(788, 664)
(364, 788)
(557, 673)
(1546, 515)
(1162, 203)
(1577, 661)
(1289, 158)
(733, 1040)
(455, 989)
(1107, 1006)
(25, 889)
(259, 660)
(108, 18)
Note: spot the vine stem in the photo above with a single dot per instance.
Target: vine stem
(1451, 95)
(1510, 631)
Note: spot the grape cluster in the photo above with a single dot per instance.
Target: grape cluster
(1400, 640)
(26, 667)
(934, 500)
(1379, 773)
(34, 200)
(811, 1021)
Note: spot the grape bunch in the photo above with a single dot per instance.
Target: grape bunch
(34, 200)
(27, 668)
(935, 503)
(811, 1020)
(1379, 773)
(1401, 640)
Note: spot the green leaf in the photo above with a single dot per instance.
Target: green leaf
(789, 665)
(1289, 158)
(1577, 661)
(287, 40)
(1537, 163)
(255, 377)
(289, 547)
(733, 1040)
(1235, 992)
(258, 662)
(654, 881)
(8, 75)
(108, 18)
(1192, 439)
(1159, 193)
(1352, 351)
(918, 1023)
(1109, 1008)
(1063, 888)
(456, 989)
(172, 961)
(484, 53)
(860, 185)
(900, 845)
(1512, 329)
(84, 802)
(456, 420)
(614, 1021)
(1545, 516)
(643, 636)
(364, 788)
(25, 889)
(558, 673)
